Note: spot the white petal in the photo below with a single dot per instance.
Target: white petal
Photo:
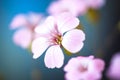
(72, 62)
(54, 57)
(39, 45)
(46, 27)
(22, 37)
(66, 21)
(73, 40)
(34, 18)
(18, 21)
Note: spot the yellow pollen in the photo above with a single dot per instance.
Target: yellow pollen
(58, 39)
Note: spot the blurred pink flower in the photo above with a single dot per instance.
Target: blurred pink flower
(25, 24)
(76, 7)
(84, 68)
(113, 71)
(57, 31)
(95, 4)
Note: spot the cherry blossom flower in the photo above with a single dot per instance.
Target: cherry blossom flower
(55, 32)
(95, 4)
(25, 25)
(76, 7)
(113, 71)
(84, 68)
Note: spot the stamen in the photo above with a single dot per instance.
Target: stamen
(83, 68)
(55, 39)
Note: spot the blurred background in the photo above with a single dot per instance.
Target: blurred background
(102, 40)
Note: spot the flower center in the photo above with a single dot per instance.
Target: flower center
(56, 36)
(83, 68)
(57, 39)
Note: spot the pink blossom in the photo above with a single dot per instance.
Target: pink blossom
(84, 68)
(76, 7)
(57, 31)
(25, 24)
(113, 71)
(95, 4)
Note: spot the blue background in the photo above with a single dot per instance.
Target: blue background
(18, 64)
